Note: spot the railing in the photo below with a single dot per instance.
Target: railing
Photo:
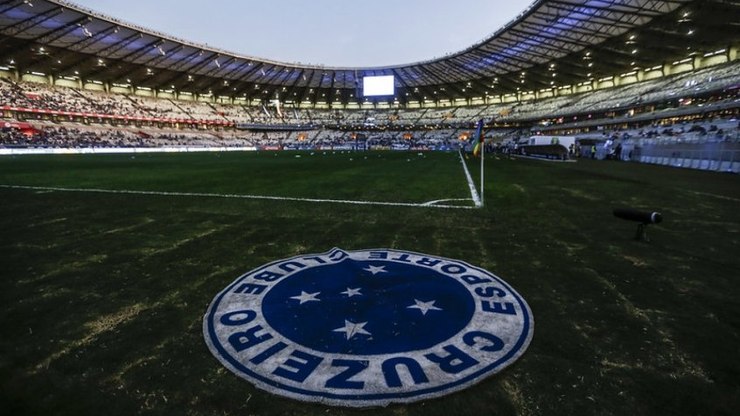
(713, 156)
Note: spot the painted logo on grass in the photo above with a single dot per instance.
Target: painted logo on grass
(368, 327)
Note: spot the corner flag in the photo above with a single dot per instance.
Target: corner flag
(479, 149)
(477, 141)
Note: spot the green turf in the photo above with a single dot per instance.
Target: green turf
(102, 295)
(371, 176)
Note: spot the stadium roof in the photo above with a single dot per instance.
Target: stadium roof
(553, 43)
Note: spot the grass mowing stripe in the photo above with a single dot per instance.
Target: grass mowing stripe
(726, 198)
(429, 204)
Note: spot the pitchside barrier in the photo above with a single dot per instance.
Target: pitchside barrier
(120, 150)
(548, 151)
(720, 157)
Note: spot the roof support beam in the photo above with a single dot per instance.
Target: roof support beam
(23, 25)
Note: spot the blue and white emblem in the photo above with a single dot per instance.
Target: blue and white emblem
(367, 327)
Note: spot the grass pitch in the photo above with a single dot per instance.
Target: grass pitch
(362, 177)
(102, 294)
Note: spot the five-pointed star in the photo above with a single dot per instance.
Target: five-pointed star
(376, 269)
(351, 328)
(424, 307)
(306, 297)
(352, 292)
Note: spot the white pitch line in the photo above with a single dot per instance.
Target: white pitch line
(471, 184)
(431, 203)
(232, 196)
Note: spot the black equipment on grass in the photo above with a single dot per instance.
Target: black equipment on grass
(643, 217)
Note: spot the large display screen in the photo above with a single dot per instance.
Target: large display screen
(373, 86)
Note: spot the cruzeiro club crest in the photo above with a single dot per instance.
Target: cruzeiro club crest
(368, 327)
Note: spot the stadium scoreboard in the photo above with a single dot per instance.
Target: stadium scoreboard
(378, 86)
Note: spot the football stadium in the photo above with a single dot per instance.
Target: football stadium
(546, 222)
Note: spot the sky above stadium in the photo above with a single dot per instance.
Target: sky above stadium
(323, 32)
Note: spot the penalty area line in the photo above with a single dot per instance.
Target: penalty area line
(234, 196)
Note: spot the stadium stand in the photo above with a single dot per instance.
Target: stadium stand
(34, 96)
(637, 104)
